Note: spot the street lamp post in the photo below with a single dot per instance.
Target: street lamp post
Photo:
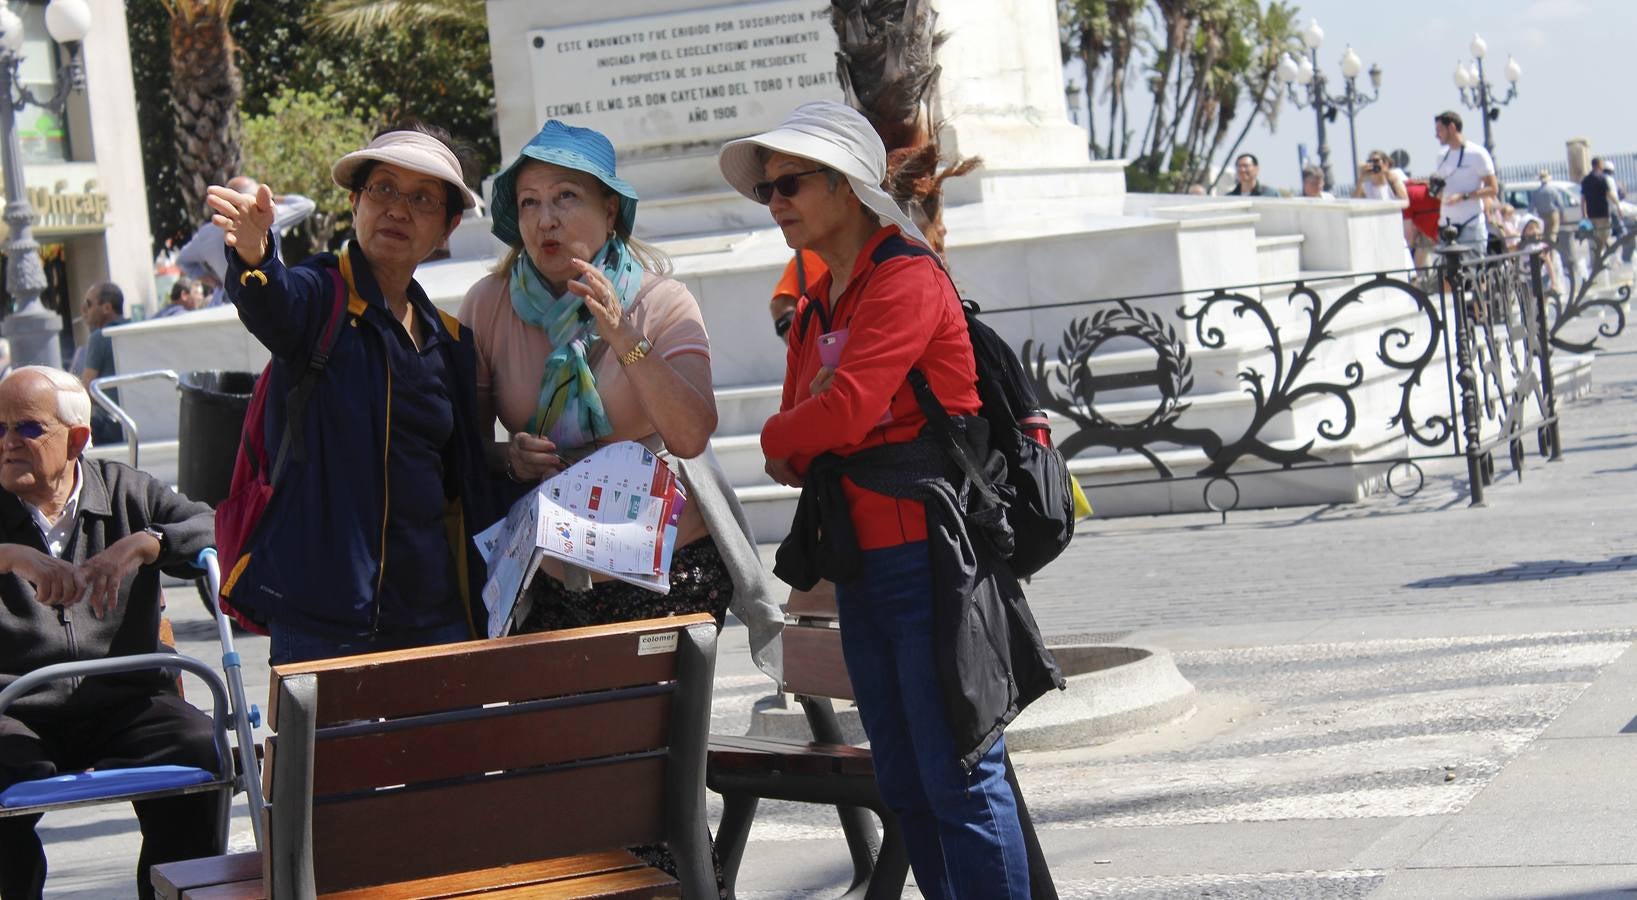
(1476, 91)
(1326, 106)
(31, 328)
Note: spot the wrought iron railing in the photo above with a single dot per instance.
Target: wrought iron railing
(1467, 364)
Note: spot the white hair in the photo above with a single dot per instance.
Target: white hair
(73, 403)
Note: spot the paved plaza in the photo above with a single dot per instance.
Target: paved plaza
(1397, 699)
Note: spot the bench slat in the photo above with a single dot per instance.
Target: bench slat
(506, 670)
(498, 742)
(614, 873)
(818, 603)
(397, 835)
(734, 753)
(239, 890)
(503, 877)
(170, 880)
(813, 664)
(631, 884)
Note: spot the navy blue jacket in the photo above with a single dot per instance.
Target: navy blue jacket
(315, 562)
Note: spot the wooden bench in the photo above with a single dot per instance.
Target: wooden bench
(522, 766)
(825, 770)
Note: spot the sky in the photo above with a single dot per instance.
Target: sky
(1577, 58)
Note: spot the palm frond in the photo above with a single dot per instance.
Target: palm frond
(887, 64)
(361, 18)
(190, 11)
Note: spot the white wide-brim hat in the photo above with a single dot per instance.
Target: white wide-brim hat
(412, 150)
(831, 134)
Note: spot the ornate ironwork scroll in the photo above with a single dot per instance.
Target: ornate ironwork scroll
(1069, 384)
(1582, 304)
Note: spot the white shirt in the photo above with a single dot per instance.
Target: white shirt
(1384, 190)
(1463, 170)
(56, 534)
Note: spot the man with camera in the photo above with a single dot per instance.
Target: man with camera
(1379, 179)
(1463, 179)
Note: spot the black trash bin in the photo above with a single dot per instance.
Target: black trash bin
(208, 430)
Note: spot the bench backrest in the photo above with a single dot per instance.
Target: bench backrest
(813, 664)
(417, 763)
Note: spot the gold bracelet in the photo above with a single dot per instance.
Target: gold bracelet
(635, 353)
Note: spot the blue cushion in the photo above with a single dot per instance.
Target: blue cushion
(102, 783)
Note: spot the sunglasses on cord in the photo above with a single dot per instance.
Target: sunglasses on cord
(787, 185)
(28, 429)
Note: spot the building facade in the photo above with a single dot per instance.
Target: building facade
(84, 169)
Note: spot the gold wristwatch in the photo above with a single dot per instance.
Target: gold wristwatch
(635, 353)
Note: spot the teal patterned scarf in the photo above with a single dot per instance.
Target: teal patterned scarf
(570, 411)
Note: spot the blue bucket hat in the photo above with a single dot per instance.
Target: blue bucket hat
(581, 149)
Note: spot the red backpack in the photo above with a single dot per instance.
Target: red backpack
(253, 479)
(1423, 209)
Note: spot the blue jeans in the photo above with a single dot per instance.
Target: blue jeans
(289, 645)
(960, 828)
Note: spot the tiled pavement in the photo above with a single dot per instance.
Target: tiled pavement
(1398, 698)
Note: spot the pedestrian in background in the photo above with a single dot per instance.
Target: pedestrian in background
(1247, 171)
(1598, 202)
(1465, 178)
(1313, 184)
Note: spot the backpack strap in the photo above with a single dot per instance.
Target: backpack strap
(939, 419)
(295, 406)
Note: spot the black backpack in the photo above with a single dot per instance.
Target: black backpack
(1035, 494)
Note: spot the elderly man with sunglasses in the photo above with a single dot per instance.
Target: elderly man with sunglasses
(82, 542)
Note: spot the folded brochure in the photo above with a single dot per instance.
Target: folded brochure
(613, 513)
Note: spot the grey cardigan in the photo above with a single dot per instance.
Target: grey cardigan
(115, 501)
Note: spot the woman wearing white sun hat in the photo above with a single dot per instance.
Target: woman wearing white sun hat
(849, 433)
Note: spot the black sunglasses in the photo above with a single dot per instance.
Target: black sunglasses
(28, 429)
(787, 185)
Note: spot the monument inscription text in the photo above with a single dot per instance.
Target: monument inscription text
(702, 75)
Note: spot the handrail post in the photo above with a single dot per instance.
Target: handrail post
(1465, 375)
(1554, 453)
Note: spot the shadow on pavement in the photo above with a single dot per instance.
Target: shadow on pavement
(1535, 570)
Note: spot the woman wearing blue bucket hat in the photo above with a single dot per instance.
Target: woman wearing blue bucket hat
(582, 341)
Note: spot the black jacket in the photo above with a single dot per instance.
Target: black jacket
(318, 556)
(115, 501)
(992, 661)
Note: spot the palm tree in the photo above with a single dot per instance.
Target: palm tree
(886, 61)
(358, 18)
(1272, 32)
(887, 65)
(205, 87)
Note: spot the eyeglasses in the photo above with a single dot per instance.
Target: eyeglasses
(787, 185)
(383, 194)
(28, 429)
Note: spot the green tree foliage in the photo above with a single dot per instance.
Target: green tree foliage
(293, 145)
(435, 69)
(1207, 65)
(150, 36)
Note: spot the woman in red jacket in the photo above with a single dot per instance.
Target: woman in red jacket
(884, 306)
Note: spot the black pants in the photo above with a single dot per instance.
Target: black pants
(144, 731)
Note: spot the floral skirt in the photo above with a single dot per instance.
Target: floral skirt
(699, 583)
